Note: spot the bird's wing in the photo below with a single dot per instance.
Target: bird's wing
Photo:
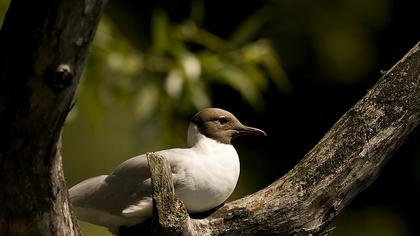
(130, 184)
(137, 169)
(81, 194)
(126, 192)
(88, 203)
(142, 208)
(125, 186)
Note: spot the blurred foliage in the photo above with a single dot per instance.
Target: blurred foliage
(175, 74)
(339, 35)
(4, 4)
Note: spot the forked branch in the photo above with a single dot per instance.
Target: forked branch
(345, 162)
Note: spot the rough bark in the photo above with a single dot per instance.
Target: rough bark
(168, 211)
(345, 162)
(43, 47)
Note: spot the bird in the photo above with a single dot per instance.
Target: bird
(204, 174)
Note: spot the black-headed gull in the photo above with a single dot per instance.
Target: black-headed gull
(204, 174)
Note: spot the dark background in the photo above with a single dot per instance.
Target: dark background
(297, 121)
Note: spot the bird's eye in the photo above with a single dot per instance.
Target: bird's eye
(222, 119)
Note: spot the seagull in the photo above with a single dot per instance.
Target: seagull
(204, 175)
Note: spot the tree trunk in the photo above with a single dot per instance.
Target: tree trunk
(345, 162)
(43, 47)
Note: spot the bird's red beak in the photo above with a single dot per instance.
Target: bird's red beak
(246, 130)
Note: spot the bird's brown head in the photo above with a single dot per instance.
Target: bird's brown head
(221, 125)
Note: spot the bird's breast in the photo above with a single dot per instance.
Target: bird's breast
(207, 178)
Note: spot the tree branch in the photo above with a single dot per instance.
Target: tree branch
(345, 162)
(169, 213)
(43, 47)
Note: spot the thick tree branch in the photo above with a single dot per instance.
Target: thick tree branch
(43, 47)
(345, 162)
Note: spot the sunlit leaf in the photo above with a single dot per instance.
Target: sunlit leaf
(146, 101)
(4, 4)
(257, 76)
(174, 83)
(200, 98)
(276, 73)
(189, 31)
(191, 66)
(238, 80)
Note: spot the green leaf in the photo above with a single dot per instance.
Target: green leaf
(249, 28)
(146, 101)
(160, 28)
(241, 82)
